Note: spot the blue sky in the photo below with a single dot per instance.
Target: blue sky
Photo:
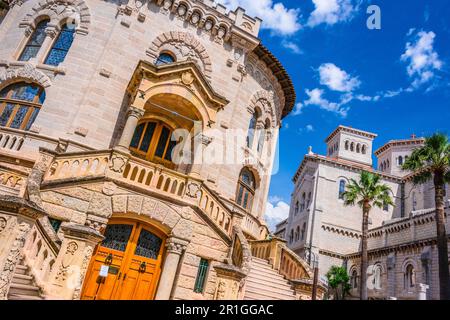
(394, 81)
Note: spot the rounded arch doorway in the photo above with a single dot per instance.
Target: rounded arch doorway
(126, 265)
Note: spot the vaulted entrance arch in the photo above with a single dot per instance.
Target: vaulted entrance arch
(126, 265)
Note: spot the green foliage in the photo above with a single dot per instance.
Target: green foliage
(368, 190)
(339, 282)
(432, 158)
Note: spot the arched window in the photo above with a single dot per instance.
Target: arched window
(297, 233)
(61, 46)
(352, 146)
(341, 189)
(164, 58)
(409, 277)
(302, 203)
(346, 145)
(354, 279)
(377, 277)
(35, 42)
(296, 208)
(400, 161)
(358, 148)
(251, 129)
(153, 140)
(291, 236)
(414, 201)
(364, 149)
(388, 164)
(246, 189)
(262, 136)
(303, 231)
(20, 104)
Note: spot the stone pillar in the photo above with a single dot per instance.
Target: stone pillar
(133, 116)
(422, 291)
(15, 226)
(51, 32)
(200, 142)
(69, 270)
(175, 248)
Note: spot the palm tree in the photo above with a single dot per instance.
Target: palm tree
(431, 162)
(366, 193)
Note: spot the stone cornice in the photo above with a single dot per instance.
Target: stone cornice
(396, 143)
(366, 134)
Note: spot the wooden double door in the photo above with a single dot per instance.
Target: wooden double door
(127, 264)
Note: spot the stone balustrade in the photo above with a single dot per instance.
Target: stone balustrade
(10, 140)
(251, 226)
(40, 254)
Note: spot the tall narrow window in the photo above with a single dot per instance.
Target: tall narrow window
(246, 189)
(202, 273)
(251, 129)
(296, 208)
(400, 161)
(302, 203)
(409, 277)
(414, 201)
(35, 43)
(303, 231)
(61, 46)
(20, 104)
(341, 189)
(354, 279)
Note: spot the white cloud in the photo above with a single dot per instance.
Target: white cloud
(315, 97)
(292, 46)
(309, 128)
(298, 109)
(423, 61)
(337, 79)
(331, 12)
(275, 16)
(276, 211)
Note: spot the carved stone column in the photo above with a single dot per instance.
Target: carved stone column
(175, 248)
(133, 116)
(200, 142)
(69, 270)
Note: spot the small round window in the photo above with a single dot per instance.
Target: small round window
(164, 58)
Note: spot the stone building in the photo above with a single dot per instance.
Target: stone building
(402, 246)
(108, 113)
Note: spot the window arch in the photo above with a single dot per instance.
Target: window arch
(400, 160)
(291, 236)
(153, 140)
(377, 271)
(302, 203)
(296, 208)
(297, 233)
(354, 279)
(352, 146)
(251, 129)
(20, 104)
(246, 189)
(61, 46)
(358, 148)
(35, 42)
(409, 277)
(414, 201)
(342, 184)
(262, 136)
(347, 144)
(165, 58)
(364, 149)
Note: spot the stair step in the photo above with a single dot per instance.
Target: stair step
(252, 294)
(22, 279)
(274, 284)
(20, 269)
(261, 266)
(23, 297)
(268, 289)
(23, 289)
(268, 275)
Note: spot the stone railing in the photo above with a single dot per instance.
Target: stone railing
(145, 175)
(40, 254)
(12, 182)
(78, 165)
(288, 264)
(10, 140)
(251, 226)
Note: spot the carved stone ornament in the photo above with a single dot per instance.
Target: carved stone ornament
(192, 190)
(109, 188)
(3, 223)
(72, 247)
(84, 265)
(187, 78)
(176, 247)
(221, 289)
(117, 163)
(12, 259)
(29, 72)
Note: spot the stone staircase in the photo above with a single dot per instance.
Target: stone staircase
(23, 286)
(265, 283)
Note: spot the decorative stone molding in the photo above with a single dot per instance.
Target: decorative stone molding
(28, 73)
(176, 245)
(265, 101)
(12, 259)
(185, 46)
(58, 10)
(135, 112)
(118, 163)
(83, 269)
